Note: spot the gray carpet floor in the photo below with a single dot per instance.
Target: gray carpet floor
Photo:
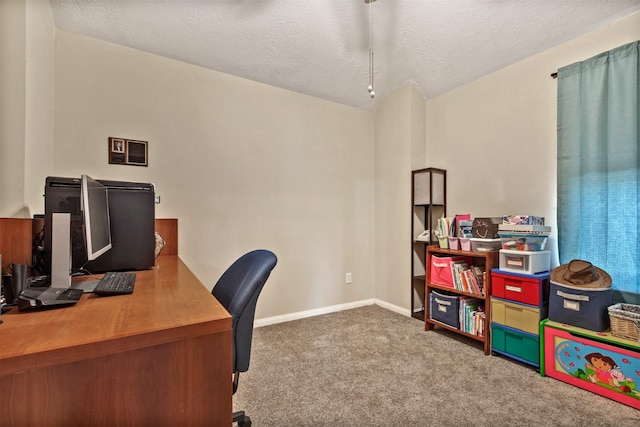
(373, 367)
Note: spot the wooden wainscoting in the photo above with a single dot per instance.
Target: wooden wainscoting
(168, 229)
(15, 241)
(17, 235)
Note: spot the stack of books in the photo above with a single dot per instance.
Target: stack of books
(468, 278)
(472, 316)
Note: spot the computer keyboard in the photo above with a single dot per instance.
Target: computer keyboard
(116, 283)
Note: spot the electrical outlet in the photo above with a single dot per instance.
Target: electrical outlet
(348, 278)
(157, 199)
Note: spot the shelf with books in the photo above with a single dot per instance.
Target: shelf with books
(470, 282)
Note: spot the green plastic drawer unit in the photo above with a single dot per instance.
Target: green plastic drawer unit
(518, 316)
(516, 344)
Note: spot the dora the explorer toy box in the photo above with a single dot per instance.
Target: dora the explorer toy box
(612, 371)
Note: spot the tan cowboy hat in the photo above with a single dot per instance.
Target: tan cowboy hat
(580, 274)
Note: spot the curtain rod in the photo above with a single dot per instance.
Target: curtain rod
(554, 75)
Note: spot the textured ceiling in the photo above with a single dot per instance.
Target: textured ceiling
(320, 47)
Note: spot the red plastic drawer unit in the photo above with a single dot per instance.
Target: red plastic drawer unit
(530, 289)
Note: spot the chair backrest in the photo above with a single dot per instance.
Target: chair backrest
(237, 290)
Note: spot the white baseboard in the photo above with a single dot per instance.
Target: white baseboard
(392, 307)
(326, 310)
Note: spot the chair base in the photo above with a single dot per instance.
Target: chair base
(242, 419)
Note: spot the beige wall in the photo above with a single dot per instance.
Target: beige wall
(39, 92)
(12, 88)
(242, 165)
(400, 148)
(497, 135)
(26, 116)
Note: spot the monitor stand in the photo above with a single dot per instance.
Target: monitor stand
(60, 250)
(85, 285)
(61, 256)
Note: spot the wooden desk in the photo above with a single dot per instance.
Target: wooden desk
(160, 356)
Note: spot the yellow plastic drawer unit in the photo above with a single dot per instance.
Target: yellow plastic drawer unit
(518, 316)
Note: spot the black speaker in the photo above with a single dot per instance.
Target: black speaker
(132, 216)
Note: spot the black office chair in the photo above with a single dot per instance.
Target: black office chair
(237, 290)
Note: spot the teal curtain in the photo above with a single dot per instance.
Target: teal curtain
(599, 164)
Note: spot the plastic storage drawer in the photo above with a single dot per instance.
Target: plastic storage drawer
(523, 242)
(529, 262)
(517, 316)
(517, 344)
(485, 245)
(530, 289)
(444, 308)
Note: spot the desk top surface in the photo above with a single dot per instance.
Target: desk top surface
(168, 303)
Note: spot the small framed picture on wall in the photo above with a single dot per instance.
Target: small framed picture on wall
(117, 145)
(116, 150)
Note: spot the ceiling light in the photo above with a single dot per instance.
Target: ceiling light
(370, 88)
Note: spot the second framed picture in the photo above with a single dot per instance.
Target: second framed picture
(137, 152)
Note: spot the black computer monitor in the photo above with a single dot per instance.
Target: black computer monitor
(94, 202)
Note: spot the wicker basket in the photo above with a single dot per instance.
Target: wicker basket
(625, 321)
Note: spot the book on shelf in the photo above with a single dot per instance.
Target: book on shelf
(470, 277)
(471, 315)
(479, 271)
(456, 268)
(479, 320)
(465, 278)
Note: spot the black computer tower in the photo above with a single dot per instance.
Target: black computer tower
(132, 216)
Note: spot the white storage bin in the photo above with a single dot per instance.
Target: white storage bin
(527, 262)
(485, 245)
